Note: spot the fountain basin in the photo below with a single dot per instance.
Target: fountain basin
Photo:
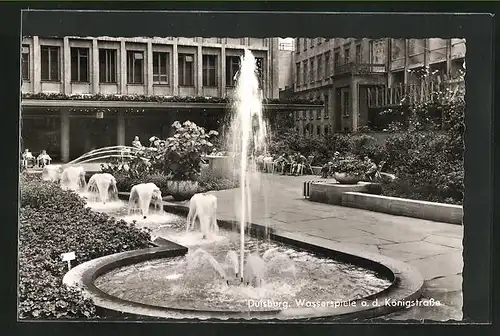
(406, 282)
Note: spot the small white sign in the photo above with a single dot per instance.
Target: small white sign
(68, 256)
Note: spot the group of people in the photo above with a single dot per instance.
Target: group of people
(41, 160)
(294, 163)
(154, 142)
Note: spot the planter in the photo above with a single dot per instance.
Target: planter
(344, 178)
(182, 190)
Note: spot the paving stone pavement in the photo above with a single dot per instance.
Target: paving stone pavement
(434, 248)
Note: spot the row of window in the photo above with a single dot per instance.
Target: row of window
(311, 42)
(108, 67)
(311, 73)
(309, 130)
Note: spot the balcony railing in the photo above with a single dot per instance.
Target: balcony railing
(411, 93)
(359, 69)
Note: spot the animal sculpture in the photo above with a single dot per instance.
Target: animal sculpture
(203, 207)
(73, 178)
(144, 195)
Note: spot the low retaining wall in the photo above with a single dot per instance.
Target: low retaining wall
(439, 212)
(331, 193)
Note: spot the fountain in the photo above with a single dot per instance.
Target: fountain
(51, 173)
(247, 136)
(102, 187)
(142, 196)
(73, 178)
(218, 282)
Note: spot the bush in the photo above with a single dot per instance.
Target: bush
(53, 221)
(210, 180)
(425, 168)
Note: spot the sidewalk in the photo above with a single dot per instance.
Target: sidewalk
(434, 248)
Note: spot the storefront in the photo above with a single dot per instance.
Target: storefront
(69, 128)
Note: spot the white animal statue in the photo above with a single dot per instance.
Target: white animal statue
(144, 195)
(73, 178)
(254, 271)
(52, 173)
(203, 207)
(103, 187)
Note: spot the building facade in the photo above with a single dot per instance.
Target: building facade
(343, 71)
(95, 66)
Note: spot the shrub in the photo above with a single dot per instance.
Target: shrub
(182, 155)
(53, 221)
(351, 165)
(211, 180)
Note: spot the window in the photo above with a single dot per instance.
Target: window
(326, 129)
(318, 130)
(209, 70)
(297, 74)
(25, 62)
(161, 62)
(327, 65)
(346, 55)
(358, 54)
(304, 43)
(326, 114)
(232, 68)
(107, 66)
(320, 68)
(259, 62)
(304, 69)
(345, 103)
(311, 70)
(337, 59)
(80, 65)
(50, 60)
(135, 67)
(186, 69)
(297, 45)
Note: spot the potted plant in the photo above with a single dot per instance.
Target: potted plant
(350, 170)
(182, 157)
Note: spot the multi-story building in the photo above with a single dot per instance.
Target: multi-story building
(55, 70)
(343, 72)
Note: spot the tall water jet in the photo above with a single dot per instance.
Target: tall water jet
(247, 138)
(142, 196)
(73, 178)
(102, 187)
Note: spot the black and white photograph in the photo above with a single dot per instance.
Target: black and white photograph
(220, 178)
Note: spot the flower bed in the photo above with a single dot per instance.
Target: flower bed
(52, 222)
(208, 181)
(158, 99)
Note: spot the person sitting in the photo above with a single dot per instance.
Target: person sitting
(154, 142)
(136, 143)
(27, 158)
(372, 168)
(43, 159)
(300, 164)
(281, 162)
